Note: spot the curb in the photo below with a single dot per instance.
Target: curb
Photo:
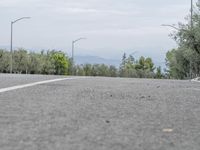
(196, 79)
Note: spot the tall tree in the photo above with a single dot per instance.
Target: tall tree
(60, 62)
(184, 62)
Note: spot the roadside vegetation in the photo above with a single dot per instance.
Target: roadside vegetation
(57, 63)
(50, 62)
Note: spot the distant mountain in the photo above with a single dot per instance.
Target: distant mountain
(96, 60)
(4, 47)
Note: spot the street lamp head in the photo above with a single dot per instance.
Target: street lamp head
(172, 26)
(165, 25)
(21, 19)
(82, 38)
(26, 17)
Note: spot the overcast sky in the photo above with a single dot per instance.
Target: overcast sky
(110, 26)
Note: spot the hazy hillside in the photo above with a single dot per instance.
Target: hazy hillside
(96, 60)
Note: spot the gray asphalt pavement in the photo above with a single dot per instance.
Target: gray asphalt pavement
(99, 114)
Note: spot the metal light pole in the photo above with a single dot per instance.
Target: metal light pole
(191, 30)
(73, 43)
(11, 41)
(191, 14)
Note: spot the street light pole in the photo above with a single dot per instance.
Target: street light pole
(191, 30)
(73, 52)
(73, 43)
(11, 50)
(11, 42)
(191, 14)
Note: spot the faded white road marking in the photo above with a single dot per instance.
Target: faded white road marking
(35, 83)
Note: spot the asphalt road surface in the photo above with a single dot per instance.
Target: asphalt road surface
(99, 114)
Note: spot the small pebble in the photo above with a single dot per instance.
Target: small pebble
(142, 97)
(107, 121)
(168, 130)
